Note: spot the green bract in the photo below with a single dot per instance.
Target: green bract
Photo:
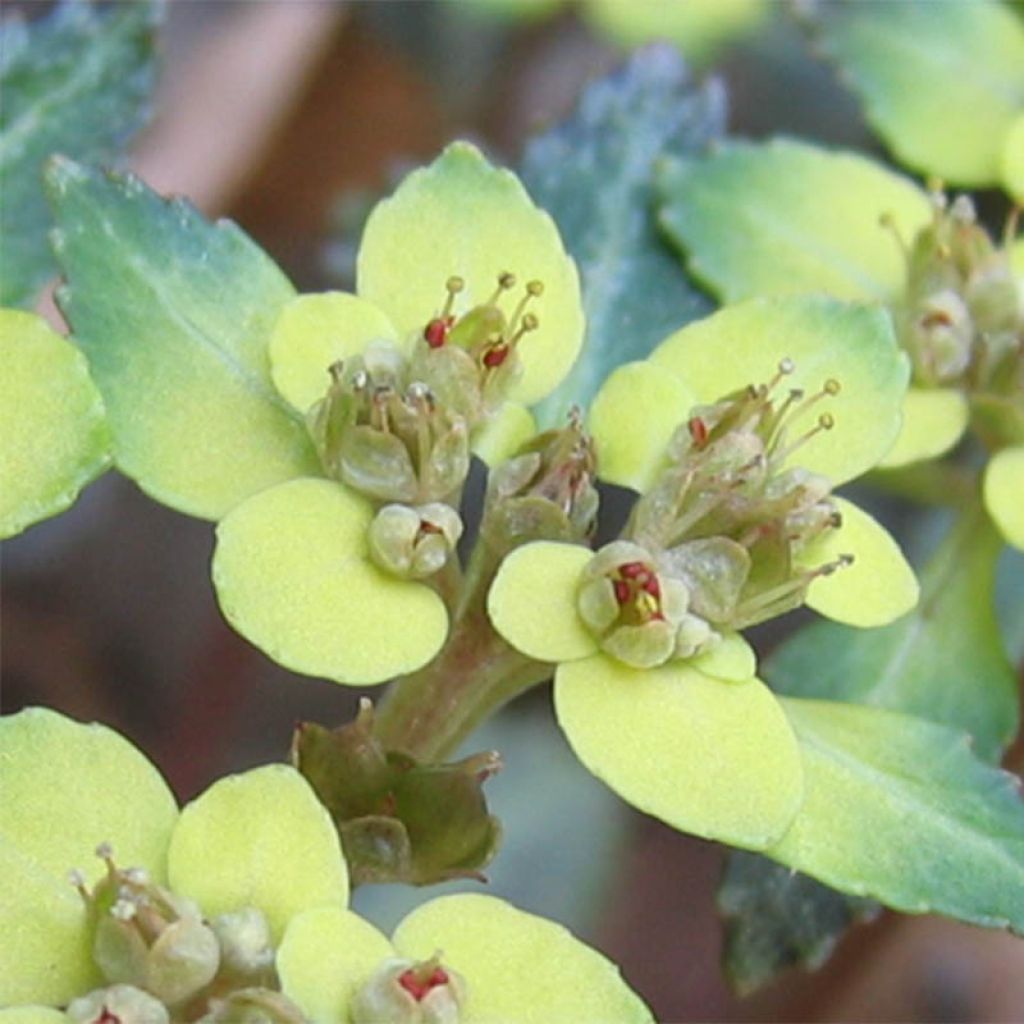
(941, 80)
(53, 433)
(69, 788)
(647, 691)
(514, 966)
(396, 382)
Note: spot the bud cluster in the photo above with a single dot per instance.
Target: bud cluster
(962, 317)
(714, 545)
(162, 960)
(545, 491)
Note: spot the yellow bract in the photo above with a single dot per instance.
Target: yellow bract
(877, 588)
(632, 419)
(933, 421)
(1004, 493)
(712, 758)
(53, 435)
(532, 601)
(66, 788)
(315, 331)
(518, 967)
(260, 839)
(461, 216)
(293, 576)
(825, 339)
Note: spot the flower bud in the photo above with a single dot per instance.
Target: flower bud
(246, 945)
(119, 1004)
(253, 1006)
(149, 938)
(413, 543)
(405, 992)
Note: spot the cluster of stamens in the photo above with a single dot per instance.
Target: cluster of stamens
(494, 337)
(638, 591)
(727, 518)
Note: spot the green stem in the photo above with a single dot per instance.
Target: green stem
(930, 483)
(427, 714)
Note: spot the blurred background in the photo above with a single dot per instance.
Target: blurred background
(291, 117)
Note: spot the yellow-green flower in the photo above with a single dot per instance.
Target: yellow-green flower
(734, 432)
(466, 959)
(258, 844)
(467, 308)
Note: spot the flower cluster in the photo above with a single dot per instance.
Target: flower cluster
(224, 912)
(467, 309)
(735, 432)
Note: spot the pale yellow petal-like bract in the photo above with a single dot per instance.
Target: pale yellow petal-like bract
(877, 588)
(518, 967)
(314, 331)
(713, 758)
(532, 601)
(293, 576)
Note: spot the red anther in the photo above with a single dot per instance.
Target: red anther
(622, 591)
(106, 1017)
(420, 989)
(633, 570)
(436, 332)
(652, 586)
(698, 431)
(495, 356)
(426, 527)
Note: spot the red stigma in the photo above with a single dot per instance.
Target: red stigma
(698, 431)
(106, 1017)
(420, 989)
(495, 356)
(436, 332)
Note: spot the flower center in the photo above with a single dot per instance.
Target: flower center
(420, 981)
(637, 591)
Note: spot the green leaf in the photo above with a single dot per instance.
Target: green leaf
(777, 918)
(75, 82)
(174, 315)
(941, 80)
(633, 291)
(944, 661)
(900, 810)
(750, 219)
(54, 437)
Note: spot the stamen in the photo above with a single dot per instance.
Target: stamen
(698, 431)
(77, 879)
(436, 332)
(826, 421)
(336, 370)
(506, 280)
(888, 221)
(786, 367)
(962, 211)
(534, 289)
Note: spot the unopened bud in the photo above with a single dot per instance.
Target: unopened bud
(246, 945)
(119, 1004)
(405, 992)
(414, 542)
(253, 1006)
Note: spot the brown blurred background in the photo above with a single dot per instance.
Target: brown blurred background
(286, 115)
